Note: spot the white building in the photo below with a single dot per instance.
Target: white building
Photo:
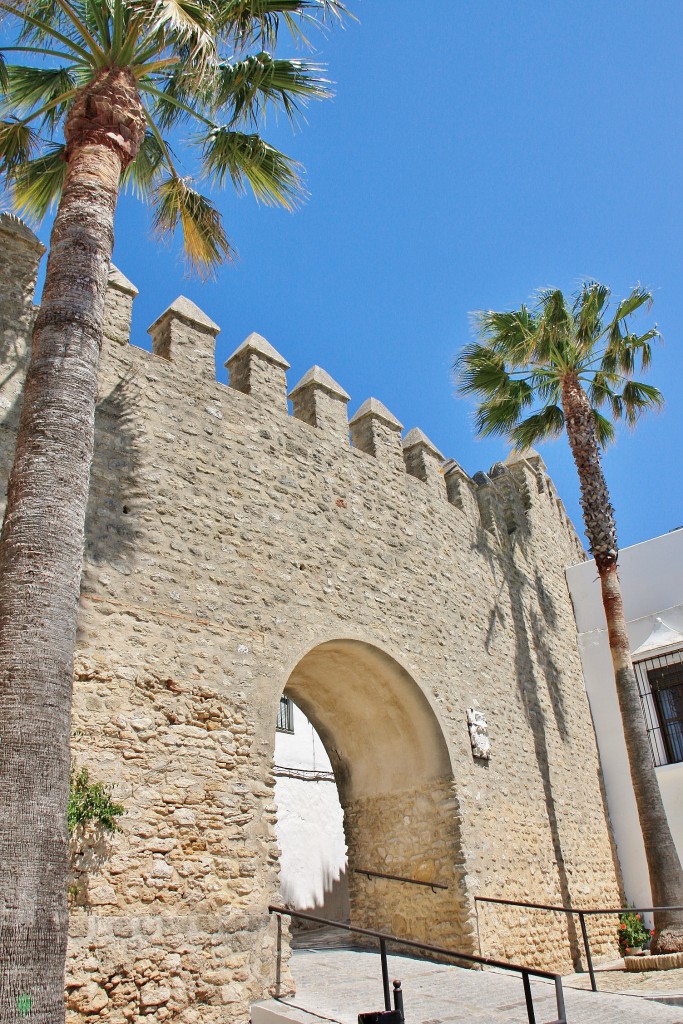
(310, 824)
(651, 577)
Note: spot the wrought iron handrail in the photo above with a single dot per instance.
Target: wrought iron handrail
(398, 878)
(385, 937)
(582, 914)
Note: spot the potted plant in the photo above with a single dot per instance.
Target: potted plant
(633, 934)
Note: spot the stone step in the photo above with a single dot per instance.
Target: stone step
(271, 1011)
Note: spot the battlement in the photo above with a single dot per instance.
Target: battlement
(499, 502)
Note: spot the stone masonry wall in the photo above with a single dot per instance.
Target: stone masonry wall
(227, 539)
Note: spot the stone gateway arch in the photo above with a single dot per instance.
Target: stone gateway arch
(395, 781)
(236, 551)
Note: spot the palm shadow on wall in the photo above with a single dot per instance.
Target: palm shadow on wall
(116, 497)
(529, 634)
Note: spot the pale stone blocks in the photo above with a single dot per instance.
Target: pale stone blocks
(321, 402)
(186, 336)
(257, 369)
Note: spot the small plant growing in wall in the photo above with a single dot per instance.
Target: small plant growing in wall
(91, 805)
(91, 814)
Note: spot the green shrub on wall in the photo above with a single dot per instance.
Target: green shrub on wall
(91, 805)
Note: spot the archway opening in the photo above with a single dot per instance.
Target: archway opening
(310, 821)
(395, 783)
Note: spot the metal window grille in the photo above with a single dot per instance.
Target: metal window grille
(660, 684)
(285, 716)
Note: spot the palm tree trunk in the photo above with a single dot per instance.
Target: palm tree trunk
(41, 555)
(664, 867)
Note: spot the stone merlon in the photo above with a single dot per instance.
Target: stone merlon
(373, 407)
(185, 309)
(257, 369)
(377, 432)
(185, 335)
(120, 282)
(424, 460)
(319, 401)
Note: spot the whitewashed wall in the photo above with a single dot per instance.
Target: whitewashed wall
(310, 824)
(651, 577)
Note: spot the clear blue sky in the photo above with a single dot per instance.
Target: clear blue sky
(474, 152)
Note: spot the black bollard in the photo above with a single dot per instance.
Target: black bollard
(394, 1016)
(398, 1000)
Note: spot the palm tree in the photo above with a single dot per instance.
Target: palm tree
(118, 78)
(538, 371)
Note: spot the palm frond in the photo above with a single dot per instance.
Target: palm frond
(509, 332)
(637, 398)
(42, 22)
(639, 297)
(17, 144)
(604, 429)
(248, 86)
(204, 240)
(601, 388)
(31, 87)
(273, 177)
(4, 79)
(249, 21)
(38, 183)
(480, 369)
(499, 416)
(642, 343)
(144, 173)
(188, 23)
(588, 307)
(540, 426)
(177, 102)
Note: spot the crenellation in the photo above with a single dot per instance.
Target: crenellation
(186, 336)
(424, 460)
(486, 500)
(511, 497)
(461, 492)
(118, 308)
(257, 369)
(377, 432)
(20, 255)
(319, 401)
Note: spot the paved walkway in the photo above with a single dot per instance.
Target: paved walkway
(339, 984)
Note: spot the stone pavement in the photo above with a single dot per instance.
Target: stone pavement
(337, 985)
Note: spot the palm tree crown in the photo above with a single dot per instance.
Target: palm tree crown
(197, 64)
(560, 365)
(526, 356)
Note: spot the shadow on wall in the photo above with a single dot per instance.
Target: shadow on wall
(529, 627)
(116, 472)
(333, 905)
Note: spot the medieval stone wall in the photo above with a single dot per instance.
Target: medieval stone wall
(233, 551)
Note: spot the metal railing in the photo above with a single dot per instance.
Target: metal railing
(385, 937)
(582, 915)
(399, 878)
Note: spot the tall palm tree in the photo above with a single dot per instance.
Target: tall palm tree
(116, 77)
(561, 366)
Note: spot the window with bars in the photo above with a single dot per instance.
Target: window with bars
(285, 715)
(660, 683)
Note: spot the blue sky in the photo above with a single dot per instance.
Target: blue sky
(471, 155)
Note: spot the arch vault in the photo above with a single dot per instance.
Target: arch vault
(396, 787)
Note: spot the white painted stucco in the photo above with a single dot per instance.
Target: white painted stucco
(651, 576)
(310, 824)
